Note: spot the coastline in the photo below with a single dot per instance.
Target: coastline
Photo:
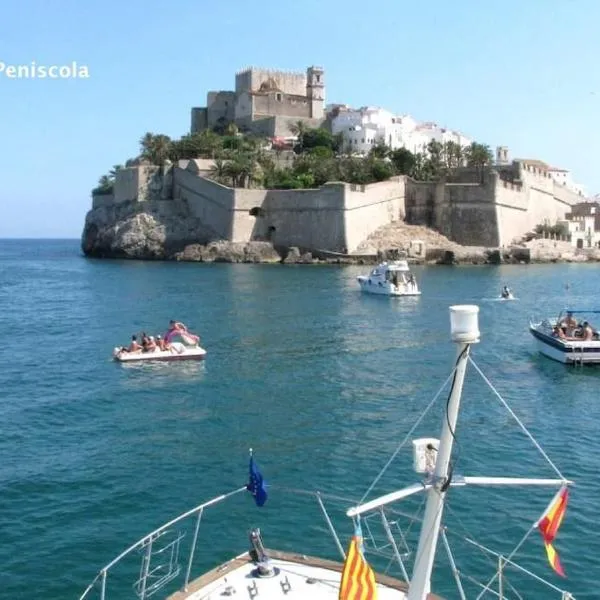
(222, 251)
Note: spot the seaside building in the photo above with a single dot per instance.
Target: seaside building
(266, 102)
(560, 176)
(583, 225)
(368, 126)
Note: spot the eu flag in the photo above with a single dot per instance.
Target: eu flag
(256, 485)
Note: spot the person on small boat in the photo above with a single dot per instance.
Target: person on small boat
(151, 344)
(177, 328)
(569, 324)
(559, 332)
(587, 332)
(506, 293)
(133, 347)
(162, 345)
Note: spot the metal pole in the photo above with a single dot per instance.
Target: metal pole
(331, 527)
(189, 567)
(147, 558)
(455, 570)
(103, 591)
(388, 531)
(465, 331)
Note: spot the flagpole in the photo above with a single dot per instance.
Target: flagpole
(464, 328)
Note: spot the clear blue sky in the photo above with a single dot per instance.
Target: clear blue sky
(522, 74)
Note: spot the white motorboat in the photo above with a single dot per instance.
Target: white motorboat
(565, 342)
(177, 351)
(390, 279)
(164, 563)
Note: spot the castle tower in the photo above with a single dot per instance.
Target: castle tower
(315, 91)
(501, 155)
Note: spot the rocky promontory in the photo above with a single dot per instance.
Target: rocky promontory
(166, 230)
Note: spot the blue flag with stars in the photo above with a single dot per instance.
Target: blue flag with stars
(256, 484)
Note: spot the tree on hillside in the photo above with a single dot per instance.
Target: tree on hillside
(452, 156)
(311, 138)
(155, 148)
(298, 129)
(379, 150)
(403, 160)
(479, 156)
(435, 156)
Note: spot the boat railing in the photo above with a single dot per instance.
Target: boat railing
(165, 559)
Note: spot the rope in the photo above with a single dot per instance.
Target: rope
(521, 425)
(406, 438)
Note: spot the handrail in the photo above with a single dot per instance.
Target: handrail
(142, 541)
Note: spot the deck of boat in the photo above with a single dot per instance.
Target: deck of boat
(300, 559)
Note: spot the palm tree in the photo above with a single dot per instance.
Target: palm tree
(298, 129)
(156, 148)
(219, 171)
(113, 172)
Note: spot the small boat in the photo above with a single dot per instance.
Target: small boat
(165, 563)
(553, 341)
(390, 279)
(178, 351)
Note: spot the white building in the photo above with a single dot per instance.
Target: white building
(582, 226)
(368, 126)
(563, 177)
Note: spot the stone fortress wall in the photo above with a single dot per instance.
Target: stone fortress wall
(490, 208)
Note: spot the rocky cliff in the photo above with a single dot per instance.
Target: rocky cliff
(143, 230)
(166, 230)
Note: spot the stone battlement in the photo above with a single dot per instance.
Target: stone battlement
(475, 209)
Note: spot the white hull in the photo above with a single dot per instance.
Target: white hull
(178, 352)
(565, 351)
(385, 288)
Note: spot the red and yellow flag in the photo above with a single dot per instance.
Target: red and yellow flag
(549, 524)
(358, 579)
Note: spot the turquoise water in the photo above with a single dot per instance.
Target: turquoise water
(321, 381)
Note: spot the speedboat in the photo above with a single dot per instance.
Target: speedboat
(178, 351)
(165, 563)
(552, 341)
(390, 279)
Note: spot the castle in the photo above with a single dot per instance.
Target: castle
(489, 207)
(266, 102)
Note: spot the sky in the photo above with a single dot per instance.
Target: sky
(520, 74)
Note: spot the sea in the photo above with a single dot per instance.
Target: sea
(323, 382)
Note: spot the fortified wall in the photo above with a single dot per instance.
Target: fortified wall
(488, 208)
(491, 207)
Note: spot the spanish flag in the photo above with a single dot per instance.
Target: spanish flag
(358, 579)
(549, 524)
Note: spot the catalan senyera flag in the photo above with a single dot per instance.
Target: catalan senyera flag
(358, 579)
(549, 524)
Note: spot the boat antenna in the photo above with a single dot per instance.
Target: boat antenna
(464, 329)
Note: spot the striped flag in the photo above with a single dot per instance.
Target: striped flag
(358, 579)
(549, 524)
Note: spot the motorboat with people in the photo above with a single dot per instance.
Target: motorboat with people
(506, 293)
(390, 279)
(386, 557)
(569, 338)
(162, 348)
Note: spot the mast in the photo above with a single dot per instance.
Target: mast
(464, 330)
